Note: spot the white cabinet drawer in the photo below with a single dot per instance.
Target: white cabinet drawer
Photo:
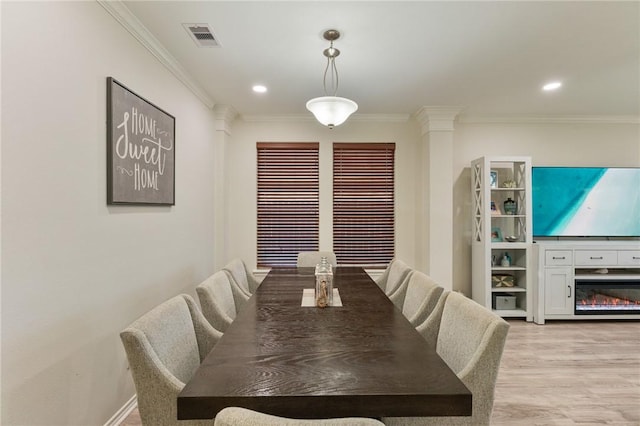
(629, 257)
(596, 257)
(557, 258)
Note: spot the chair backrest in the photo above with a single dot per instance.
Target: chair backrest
(241, 275)
(393, 276)
(164, 348)
(430, 327)
(217, 300)
(471, 340)
(312, 258)
(236, 416)
(421, 297)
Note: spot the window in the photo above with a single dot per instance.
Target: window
(288, 202)
(363, 203)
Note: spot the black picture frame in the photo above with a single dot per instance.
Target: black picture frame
(140, 149)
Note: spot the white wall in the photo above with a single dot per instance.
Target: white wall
(76, 271)
(242, 176)
(562, 144)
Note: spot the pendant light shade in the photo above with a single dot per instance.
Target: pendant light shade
(331, 110)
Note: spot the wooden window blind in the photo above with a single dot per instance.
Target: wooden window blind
(363, 203)
(288, 202)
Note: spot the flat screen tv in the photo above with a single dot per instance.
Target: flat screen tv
(586, 202)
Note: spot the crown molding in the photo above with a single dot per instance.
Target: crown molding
(307, 118)
(224, 116)
(437, 118)
(277, 118)
(549, 119)
(133, 25)
(382, 118)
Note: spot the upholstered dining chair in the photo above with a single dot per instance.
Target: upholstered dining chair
(236, 416)
(471, 340)
(430, 327)
(393, 276)
(164, 348)
(398, 294)
(219, 300)
(242, 275)
(420, 298)
(312, 258)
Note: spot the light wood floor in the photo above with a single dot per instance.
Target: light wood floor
(570, 373)
(564, 373)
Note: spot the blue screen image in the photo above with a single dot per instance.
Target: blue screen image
(586, 201)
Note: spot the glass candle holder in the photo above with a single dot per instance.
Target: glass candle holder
(324, 284)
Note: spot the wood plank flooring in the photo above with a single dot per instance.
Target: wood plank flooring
(564, 373)
(570, 373)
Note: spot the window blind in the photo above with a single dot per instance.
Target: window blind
(288, 202)
(363, 203)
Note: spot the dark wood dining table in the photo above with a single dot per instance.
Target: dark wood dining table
(363, 359)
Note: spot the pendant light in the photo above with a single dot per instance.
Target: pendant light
(331, 110)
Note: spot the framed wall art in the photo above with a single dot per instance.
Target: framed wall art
(496, 234)
(493, 179)
(140, 149)
(495, 209)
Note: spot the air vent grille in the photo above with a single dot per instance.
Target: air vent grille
(202, 35)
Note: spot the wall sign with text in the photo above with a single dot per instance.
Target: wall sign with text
(140, 149)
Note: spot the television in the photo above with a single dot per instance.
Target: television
(586, 201)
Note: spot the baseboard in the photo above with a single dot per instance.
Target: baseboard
(123, 412)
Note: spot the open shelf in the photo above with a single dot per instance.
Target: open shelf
(507, 268)
(508, 246)
(491, 225)
(511, 313)
(507, 289)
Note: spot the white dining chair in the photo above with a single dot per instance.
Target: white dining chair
(237, 416)
(242, 275)
(420, 298)
(218, 299)
(430, 327)
(471, 340)
(393, 276)
(312, 258)
(164, 348)
(397, 296)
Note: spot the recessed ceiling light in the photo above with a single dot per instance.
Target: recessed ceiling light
(259, 88)
(554, 85)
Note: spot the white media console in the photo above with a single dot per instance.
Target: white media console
(565, 268)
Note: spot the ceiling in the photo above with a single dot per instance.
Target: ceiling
(488, 58)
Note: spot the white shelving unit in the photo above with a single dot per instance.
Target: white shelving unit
(489, 222)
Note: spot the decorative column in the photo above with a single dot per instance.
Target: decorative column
(224, 116)
(436, 243)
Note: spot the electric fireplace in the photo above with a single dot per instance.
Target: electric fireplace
(607, 297)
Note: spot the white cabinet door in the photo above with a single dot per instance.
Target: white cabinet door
(558, 291)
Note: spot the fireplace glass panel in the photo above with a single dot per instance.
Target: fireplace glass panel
(607, 297)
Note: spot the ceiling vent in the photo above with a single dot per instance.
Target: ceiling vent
(201, 35)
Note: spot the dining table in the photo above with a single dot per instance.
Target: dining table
(360, 359)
